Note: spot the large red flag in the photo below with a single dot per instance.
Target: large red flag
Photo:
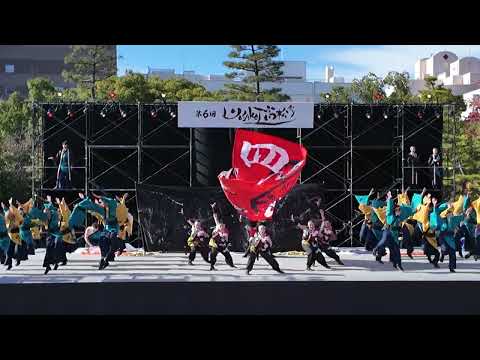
(264, 169)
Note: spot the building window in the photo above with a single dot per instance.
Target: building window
(9, 68)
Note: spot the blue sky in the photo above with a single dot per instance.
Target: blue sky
(350, 61)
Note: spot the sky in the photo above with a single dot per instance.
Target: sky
(349, 61)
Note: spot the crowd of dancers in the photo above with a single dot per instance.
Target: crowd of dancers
(443, 229)
(21, 224)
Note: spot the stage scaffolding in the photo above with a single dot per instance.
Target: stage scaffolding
(347, 177)
(106, 137)
(351, 148)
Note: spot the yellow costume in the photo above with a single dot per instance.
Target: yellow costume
(68, 235)
(13, 220)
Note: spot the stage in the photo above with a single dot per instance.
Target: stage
(164, 284)
(173, 267)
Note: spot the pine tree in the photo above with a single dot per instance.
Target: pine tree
(254, 65)
(90, 64)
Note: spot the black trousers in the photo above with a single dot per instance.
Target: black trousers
(105, 247)
(452, 256)
(267, 255)
(430, 251)
(63, 182)
(115, 245)
(214, 252)
(10, 253)
(50, 255)
(407, 240)
(203, 251)
(330, 252)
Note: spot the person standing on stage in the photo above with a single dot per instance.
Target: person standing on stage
(262, 245)
(446, 225)
(326, 235)
(413, 161)
(198, 240)
(310, 244)
(64, 173)
(4, 239)
(219, 242)
(53, 238)
(436, 163)
(395, 215)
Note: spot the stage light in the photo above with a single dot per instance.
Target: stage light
(172, 114)
(318, 116)
(102, 114)
(70, 114)
(385, 115)
(153, 113)
(420, 115)
(437, 114)
(85, 110)
(50, 113)
(164, 95)
(123, 114)
(368, 115)
(335, 115)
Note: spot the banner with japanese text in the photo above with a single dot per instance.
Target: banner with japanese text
(209, 114)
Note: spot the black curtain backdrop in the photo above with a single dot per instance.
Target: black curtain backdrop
(163, 214)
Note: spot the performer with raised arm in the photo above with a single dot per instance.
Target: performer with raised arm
(446, 224)
(395, 215)
(101, 236)
(310, 244)
(262, 245)
(429, 240)
(198, 240)
(407, 226)
(219, 242)
(32, 215)
(53, 238)
(112, 227)
(125, 222)
(326, 235)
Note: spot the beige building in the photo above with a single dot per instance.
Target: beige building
(19, 63)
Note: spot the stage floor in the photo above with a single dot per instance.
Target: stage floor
(173, 267)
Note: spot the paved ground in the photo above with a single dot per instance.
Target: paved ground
(359, 266)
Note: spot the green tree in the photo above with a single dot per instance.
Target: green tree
(338, 94)
(15, 116)
(41, 89)
(15, 145)
(253, 65)
(400, 82)
(369, 89)
(89, 64)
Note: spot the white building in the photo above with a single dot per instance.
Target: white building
(461, 75)
(294, 81)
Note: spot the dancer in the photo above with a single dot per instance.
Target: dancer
(4, 239)
(103, 237)
(395, 215)
(371, 230)
(446, 224)
(429, 240)
(326, 235)
(219, 243)
(111, 225)
(125, 222)
(13, 220)
(408, 226)
(262, 245)
(64, 174)
(198, 240)
(54, 240)
(310, 244)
